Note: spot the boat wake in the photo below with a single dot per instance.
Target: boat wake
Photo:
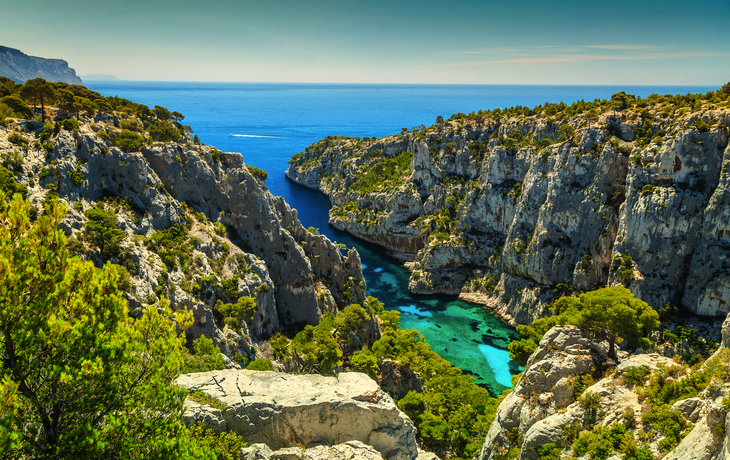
(251, 135)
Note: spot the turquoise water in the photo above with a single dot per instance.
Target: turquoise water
(268, 123)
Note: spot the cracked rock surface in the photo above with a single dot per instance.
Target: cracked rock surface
(285, 410)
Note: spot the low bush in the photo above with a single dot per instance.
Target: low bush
(207, 357)
(257, 172)
(260, 364)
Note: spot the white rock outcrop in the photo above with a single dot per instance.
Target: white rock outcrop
(285, 410)
(542, 403)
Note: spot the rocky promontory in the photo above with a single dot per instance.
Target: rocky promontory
(573, 399)
(20, 67)
(198, 227)
(511, 208)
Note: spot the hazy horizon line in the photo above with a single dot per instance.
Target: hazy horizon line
(118, 80)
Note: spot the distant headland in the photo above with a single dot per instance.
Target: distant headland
(20, 67)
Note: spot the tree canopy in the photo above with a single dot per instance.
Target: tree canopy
(101, 231)
(40, 91)
(610, 313)
(79, 378)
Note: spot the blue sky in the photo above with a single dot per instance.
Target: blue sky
(377, 41)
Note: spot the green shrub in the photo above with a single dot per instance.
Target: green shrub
(225, 446)
(632, 451)
(230, 287)
(207, 357)
(77, 177)
(365, 361)
(260, 364)
(132, 125)
(350, 319)
(128, 141)
(257, 172)
(648, 189)
(13, 160)
(18, 139)
(280, 344)
(591, 403)
(386, 174)
(242, 310)
(70, 124)
(18, 106)
(592, 444)
(434, 430)
(9, 185)
(172, 245)
(164, 131)
(635, 375)
(549, 451)
(521, 350)
(667, 422)
(100, 231)
(317, 347)
(701, 125)
(202, 398)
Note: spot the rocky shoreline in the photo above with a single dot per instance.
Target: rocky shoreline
(510, 211)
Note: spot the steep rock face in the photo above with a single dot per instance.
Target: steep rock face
(268, 225)
(543, 402)
(710, 437)
(284, 410)
(236, 230)
(20, 67)
(545, 388)
(702, 443)
(505, 224)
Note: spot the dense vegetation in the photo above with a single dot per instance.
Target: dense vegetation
(79, 378)
(124, 124)
(385, 174)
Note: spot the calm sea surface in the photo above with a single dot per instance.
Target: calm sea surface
(268, 123)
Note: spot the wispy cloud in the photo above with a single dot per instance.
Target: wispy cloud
(545, 54)
(526, 50)
(623, 47)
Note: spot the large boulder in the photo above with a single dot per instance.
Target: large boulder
(726, 332)
(285, 410)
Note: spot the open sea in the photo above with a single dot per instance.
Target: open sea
(268, 123)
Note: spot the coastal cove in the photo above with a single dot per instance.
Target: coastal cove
(268, 123)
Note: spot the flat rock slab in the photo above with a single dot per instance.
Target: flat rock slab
(352, 450)
(284, 410)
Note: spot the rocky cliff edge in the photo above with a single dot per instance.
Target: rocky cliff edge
(198, 228)
(509, 209)
(20, 67)
(571, 396)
